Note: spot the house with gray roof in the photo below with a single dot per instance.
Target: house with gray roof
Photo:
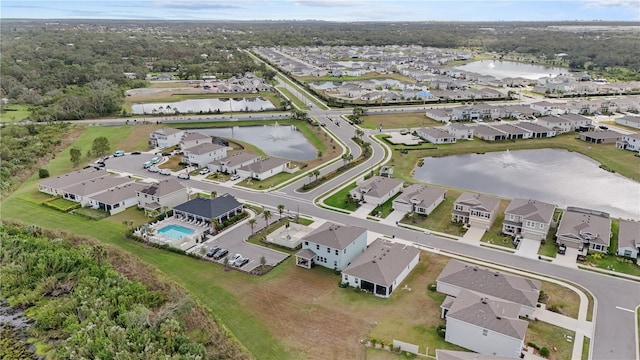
(420, 199)
(118, 199)
(466, 355)
(537, 131)
(202, 154)
(191, 139)
(492, 284)
(332, 246)
(381, 267)
(584, 228)
(201, 209)
(476, 210)
(83, 191)
(233, 162)
(486, 326)
(264, 168)
(442, 115)
(530, 219)
(601, 136)
(629, 142)
(165, 194)
(459, 131)
(544, 108)
(376, 190)
(165, 137)
(513, 132)
(436, 135)
(629, 239)
(488, 133)
(630, 121)
(55, 186)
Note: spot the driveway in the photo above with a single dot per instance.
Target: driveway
(528, 248)
(473, 236)
(363, 211)
(568, 259)
(393, 218)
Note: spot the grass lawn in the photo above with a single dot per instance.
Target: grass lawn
(294, 99)
(397, 121)
(440, 219)
(564, 300)
(386, 208)
(94, 214)
(173, 163)
(549, 248)
(547, 335)
(62, 204)
(615, 229)
(613, 263)
(339, 199)
(494, 234)
(14, 113)
(267, 183)
(585, 348)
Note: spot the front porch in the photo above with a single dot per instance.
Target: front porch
(305, 258)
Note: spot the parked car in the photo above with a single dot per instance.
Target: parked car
(119, 153)
(147, 164)
(205, 171)
(235, 177)
(164, 172)
(136, 152)
(155, 160)
(603, 127)
(213, 250)
(241, 262)
(220, 254)
(166, 154)
(184, 176)
(153, 169)
(234, 258)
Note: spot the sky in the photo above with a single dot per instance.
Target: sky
(329, 10)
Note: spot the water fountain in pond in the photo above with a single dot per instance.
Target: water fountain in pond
(508, 160)
(276, 132)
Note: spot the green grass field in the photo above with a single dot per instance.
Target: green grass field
(298, 103)
(339, 199)
(494, 234)
(440, 218)
(14, 113)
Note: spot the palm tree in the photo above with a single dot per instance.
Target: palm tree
(316, 173)
(359, 133)
(281, 210)
(347, 158)
(252, 224)
(266, 215)
(215, 225)
(214, 194)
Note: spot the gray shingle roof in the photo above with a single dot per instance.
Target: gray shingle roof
(420, 195)
(382, 262)
(164, 187)
(436, 133)
(378, 185)
(167, 131)
(204, 148)
(531, 210)
(478, 201)
(72, 178)
(97, 185)
(210, 208)
(334, 235)
(629, 234)
(235, 159)
(494, 315)
(581, 224)
(265, 164)
(120, 193)
(491, 282)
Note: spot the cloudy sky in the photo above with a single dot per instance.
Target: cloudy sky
(332, 10)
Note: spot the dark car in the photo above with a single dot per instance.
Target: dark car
(166, 154)
(213, 250)
(603, 127)
(241, 262)
(136, 153)
(220, 254)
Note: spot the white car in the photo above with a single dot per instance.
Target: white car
(153, 169)
(205, 171)
(165, 172)
(234, 258)
(184, 176)
(235, 177)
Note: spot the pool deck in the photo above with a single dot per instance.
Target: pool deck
(186, 242)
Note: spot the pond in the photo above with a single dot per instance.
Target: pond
(504, 69)
(555, 176)
(284, 141)
(204, 105)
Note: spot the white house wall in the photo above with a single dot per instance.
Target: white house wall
(401, 206)
(344, 256)
(471, 337)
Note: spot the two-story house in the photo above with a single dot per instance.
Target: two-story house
(165, 194)
(545, 108)
(583, 228)
(166, 137)
(629, 142)
(192, 139)
(420, 199)
(202, 154)
(629, 239)
(332, 246)
(460, 131)
(476, 210)
(530, 219)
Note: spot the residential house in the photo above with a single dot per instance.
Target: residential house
(488, 133)
(460, 131)
(264, 168)
(478, 112)
(83, 191)
(629, 239)
(420, 199)
(202, 154)
(220, 208)
(629, 142)
(465, 355)
(118, 199)
(476, 210)
(165, 194)
(513, 132)
(581, 228)
(537, 131)
(600, 136)
(484, 325)
(382, 267)
(557, 124)
(56, 185)
(578, 122)
(442, 115)
(332, 246)
(191, 139)
(630, 121)
(530, 219)
(376, 190)
(166, 137)
(436, 135)
(458, 276)
(545, 108)
(233, 162)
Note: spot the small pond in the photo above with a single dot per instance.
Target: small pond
(555, 176)
(504, 69)
(204, 105)
(284, 141)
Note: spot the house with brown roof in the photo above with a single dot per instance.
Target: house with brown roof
(530, 219)
(420, 199)
(580, 228)
(476, 210)
(629, 239)
(376, 190)
(332, 246)
(381, 267)
(167, 193)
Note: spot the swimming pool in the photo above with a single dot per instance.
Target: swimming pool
(175, 232)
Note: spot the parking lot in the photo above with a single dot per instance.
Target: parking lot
(247, 250)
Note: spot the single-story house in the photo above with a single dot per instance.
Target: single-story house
(484, 325)
(165, 137)
(537, 131)
(489, 133)
(162, 195)
(629, 142)
(460, 131)
(376, 190)
(220, 208)
(629, 239)
(382, 267)
(476, 210)
(442, 115)
(513, 132)
(436, 136)
(233, 162)
(332, 246)
(457, 276)
(117, 199)
(418, 198)
(263, 168)
(530, 219)
(600, 136)
(202, 154)
(630, 121)
(192, 139)
(83, 191)
(466, 355)
(583, 227)
(56, 185)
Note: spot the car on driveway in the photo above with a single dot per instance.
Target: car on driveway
(205, 171)
(164, 172)
(220, 254)
(184, 176)
(213, 250)
(235, 177)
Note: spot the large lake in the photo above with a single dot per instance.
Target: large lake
(505, 69)
(284, 141)
(555, 176)
(204, 105)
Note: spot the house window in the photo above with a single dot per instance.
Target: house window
(335, 264)
(459, 207)
(344, 251)
(485, 332)
(317, 247)
(511, 217)
(306, 243)
(627, 253)
(337, 251)
(541, 226)
(328, 250)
